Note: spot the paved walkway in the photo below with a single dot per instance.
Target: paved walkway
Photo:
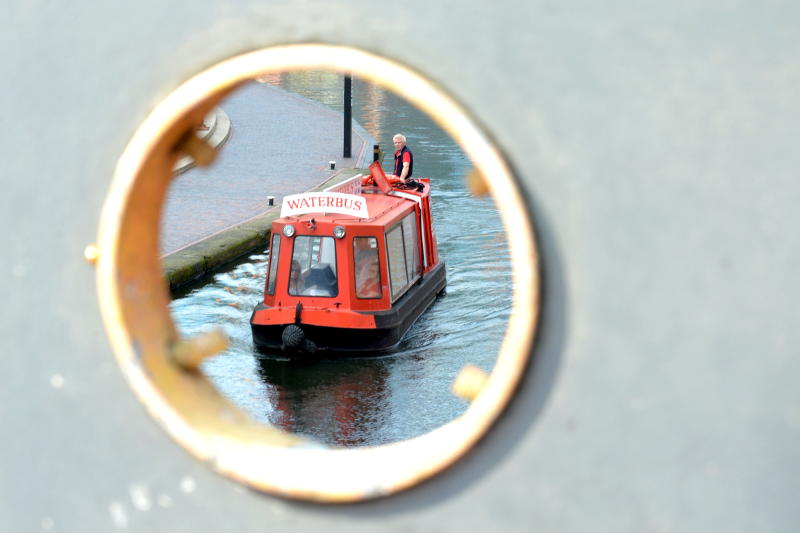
(280, 143)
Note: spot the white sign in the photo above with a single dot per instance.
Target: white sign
(348, 186)
(324, 202)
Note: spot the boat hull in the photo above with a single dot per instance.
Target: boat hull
(390, 326)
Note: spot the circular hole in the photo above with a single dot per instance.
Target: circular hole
(135, 300)
(333, 399)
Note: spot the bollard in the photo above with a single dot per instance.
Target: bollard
(91, 254)
(469, 382)
(270, 201)
(198, 149)
(189, 353)
(332, 164)
(376, 152)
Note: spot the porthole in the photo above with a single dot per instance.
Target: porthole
(158, 364)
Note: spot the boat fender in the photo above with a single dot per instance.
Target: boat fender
(309, 346)
(293, 337)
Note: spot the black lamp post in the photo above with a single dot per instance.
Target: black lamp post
(348, 117)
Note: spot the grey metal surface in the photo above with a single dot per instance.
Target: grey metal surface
(655, 142)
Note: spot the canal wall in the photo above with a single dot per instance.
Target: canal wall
(210, 254)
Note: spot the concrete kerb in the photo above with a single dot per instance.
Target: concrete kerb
(209, 255)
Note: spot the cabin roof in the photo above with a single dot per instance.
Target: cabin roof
(382, 208)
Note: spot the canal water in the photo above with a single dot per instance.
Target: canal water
(372, 400)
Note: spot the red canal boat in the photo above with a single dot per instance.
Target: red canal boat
(350, 269)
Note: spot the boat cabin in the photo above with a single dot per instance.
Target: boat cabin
(350, 269)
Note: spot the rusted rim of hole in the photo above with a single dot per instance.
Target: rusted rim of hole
(134, 297)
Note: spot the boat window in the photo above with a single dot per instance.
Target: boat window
(274, 250)
(403, 252)
(313, 269)
(412, 248)
(368, 272)
(397, 260)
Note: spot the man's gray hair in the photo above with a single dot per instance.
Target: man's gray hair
(399, 136)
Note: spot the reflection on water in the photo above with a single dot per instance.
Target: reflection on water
(336, 402)
(372, 400)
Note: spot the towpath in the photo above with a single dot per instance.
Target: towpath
(280, 143)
